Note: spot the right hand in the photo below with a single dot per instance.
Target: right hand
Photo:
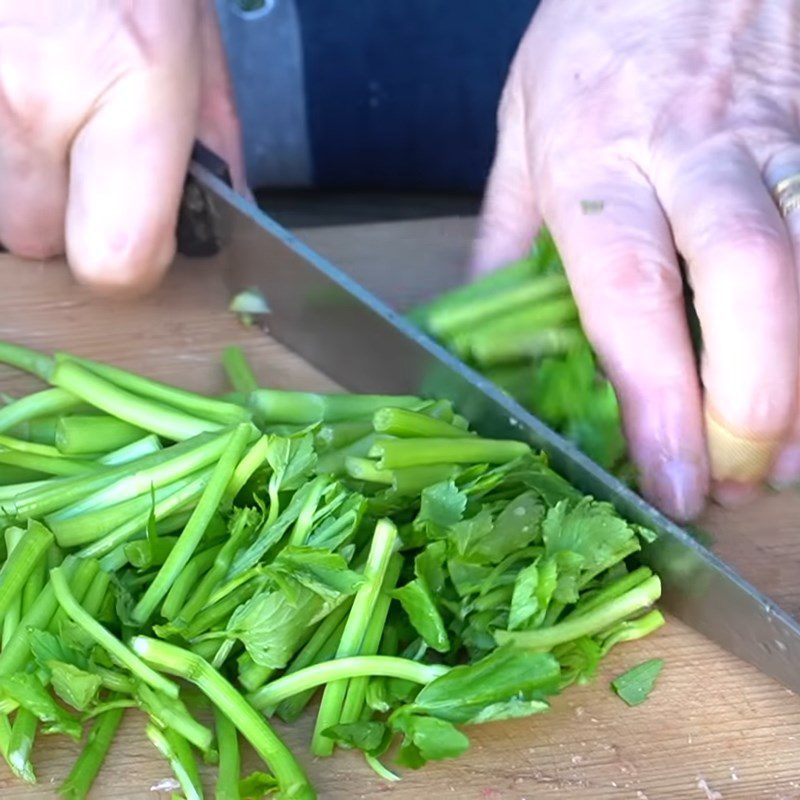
(99, 106)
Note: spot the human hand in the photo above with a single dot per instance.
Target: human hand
(99, 106)
(637, 130)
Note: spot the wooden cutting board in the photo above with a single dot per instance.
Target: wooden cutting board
(714, 728)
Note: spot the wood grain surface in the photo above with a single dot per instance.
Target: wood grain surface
(713, 729)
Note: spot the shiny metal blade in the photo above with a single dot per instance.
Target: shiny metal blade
(334, 324)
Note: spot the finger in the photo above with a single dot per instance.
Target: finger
(219, 127)
(741, 266)
(509, 216)
(621, 262)
(786, 163)
(129, 160)
(33, 191)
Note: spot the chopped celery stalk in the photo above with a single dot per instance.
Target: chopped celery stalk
(88, 764)
(383, 544)
(240, 373)
(304, 408)
(115, 648)
(26, 359)
(124, 455)
(196, 405)
(405, 423)
(196, 526)
(81, 435)
(329, 673)
(28, 553)
(292, 781)
(398, 453)
(40, 404)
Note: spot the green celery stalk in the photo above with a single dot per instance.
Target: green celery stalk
(76, 495)
(196, 526)
(365, 469)
(23, 735)
(334, 462)
(81, 435)
(176, 750)
(140, 553)
(525, 343)
(87, 766)
(240, 373)
(292, 781)
(357, 687)
(140, 478)
(40, 404)
(81, 529)
(197, 405)
(230, 761)
(124, 455)
(27, 359)
(143, 412)
(451, 320)
(304, 408)
(383, 544)
(41, 430)
(187, 581)
(79, 585)
(291, 708)
(15, 653)
(170, 713)
(29, 551)
(33, 586)
(12, 537)
(510, 275)
(23, 446)
(398, 453)
(242, 529)
(64, 467)
(335, 435)
(251, 461)
(405, 423)
(587, 624)
(340, 670)
(163, 508)
(115, 648)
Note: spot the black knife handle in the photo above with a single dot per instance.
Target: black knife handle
(196, 232)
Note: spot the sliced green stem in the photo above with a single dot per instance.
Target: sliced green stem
(397, 453)
(39, 404)
(20, 746)
(79, 435)
(27, 359)
(196, 526)
(292, 781)
(588, 624)
(305, 408)
(115, 648)
(378, 560)
(405, 423)
(190, 402)
(179, 754)
(48, 465)
(131, 452)
(341, 670)
(187, 581)
(240, 373)
(29, 552)
(87, 766)
(230, 761)
(143, 412)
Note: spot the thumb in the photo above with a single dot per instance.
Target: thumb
(509, 218)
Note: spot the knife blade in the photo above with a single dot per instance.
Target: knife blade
(365, 346)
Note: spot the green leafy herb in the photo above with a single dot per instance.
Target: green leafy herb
(635, 685)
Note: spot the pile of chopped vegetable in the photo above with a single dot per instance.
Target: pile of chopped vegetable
(519, 326)
(268, 545)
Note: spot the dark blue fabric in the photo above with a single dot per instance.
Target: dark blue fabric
(402, 94)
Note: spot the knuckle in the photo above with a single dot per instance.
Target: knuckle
(632, 273)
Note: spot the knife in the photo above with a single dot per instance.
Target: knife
(337, 326)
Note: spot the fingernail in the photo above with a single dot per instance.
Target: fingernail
(786, 470)
(678, 489)
(735, 494)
